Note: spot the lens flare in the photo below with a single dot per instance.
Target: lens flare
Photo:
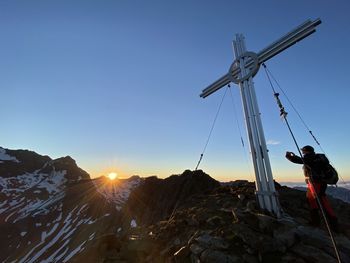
(112, 176)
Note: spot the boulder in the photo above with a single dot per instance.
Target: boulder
(214, 256)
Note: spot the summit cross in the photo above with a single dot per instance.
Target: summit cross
(241, 72)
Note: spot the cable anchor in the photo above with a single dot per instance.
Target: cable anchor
(283, 113)
(200, 159)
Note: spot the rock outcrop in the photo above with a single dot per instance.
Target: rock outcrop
(225, 225)
(156, 199)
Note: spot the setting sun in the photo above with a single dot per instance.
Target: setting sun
(112, 176)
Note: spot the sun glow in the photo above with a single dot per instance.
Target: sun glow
(112, 176)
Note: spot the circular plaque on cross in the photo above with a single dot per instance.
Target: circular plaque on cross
(250, 64)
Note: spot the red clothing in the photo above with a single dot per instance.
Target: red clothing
(320, 189)
(314, 165)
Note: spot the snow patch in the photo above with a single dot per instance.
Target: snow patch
(54, 181)
(133, 223)
(14, 187)
(91, 236)
(7, 218)
(5, 157)
(53, 258)
(82, 209)
(23, 233)
(67, 225)
(91, 221)
(73, 252)
(44, 235)
(118, 193)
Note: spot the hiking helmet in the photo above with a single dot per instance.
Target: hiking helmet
(308, 148)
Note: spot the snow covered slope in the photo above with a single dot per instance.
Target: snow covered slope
(49, 209)
(117, 191)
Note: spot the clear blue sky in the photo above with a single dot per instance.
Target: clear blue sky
(116, 84)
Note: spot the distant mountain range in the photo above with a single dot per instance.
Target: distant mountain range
(342, 191)
(52, 211)
(336, 192)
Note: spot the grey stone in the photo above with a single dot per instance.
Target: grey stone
(196, 249)
(214, 256)
(286, 237)
(250, 258)
(204, 239)
(140, 245)
(195, 259)
(266, 223)
(215, 221)
(343, 244)
(235, 217)
(312, 254)
(320, 239)
(241, 197)
(219, 243)
(315, 237)
(177, 242)
(249, 218)
(288, 258)
(192, 222)
(250, 206)
(208, 241)
(190, 241)
(258, 241)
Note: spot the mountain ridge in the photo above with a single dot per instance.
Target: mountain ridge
(55, 212)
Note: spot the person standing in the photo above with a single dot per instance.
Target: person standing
(314, 165)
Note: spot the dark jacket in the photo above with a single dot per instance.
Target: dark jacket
(315, 164)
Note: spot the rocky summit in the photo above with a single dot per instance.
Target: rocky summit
(51, 211)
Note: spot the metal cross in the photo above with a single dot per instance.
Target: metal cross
(241, 72)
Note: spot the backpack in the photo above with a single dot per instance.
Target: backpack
(328, 173)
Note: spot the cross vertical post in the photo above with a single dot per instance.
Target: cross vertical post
(265, 188)
(241, 72)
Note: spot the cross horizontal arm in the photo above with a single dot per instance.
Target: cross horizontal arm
(304, 30)
(299, 33)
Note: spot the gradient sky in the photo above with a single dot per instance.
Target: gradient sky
(116, 84)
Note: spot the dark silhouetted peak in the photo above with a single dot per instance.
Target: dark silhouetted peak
(27, 156)
(74, 173)
(134, 177)
(20, 162)
(194, 173)
(160, 196)
(17, 162)
(47, 212)
(66, 161)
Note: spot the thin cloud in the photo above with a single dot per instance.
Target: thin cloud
(272, 142)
